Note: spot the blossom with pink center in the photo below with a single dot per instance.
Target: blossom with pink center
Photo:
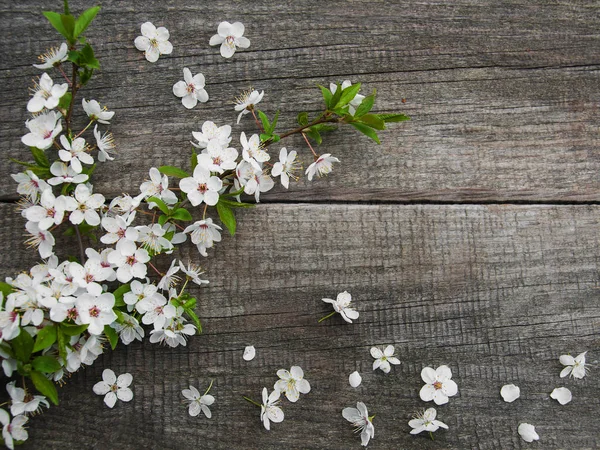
(212, 133)
(113, 387)
(158, 186)
(65, 174)
(30, 184)
(230, 37)
(439, 385)
(96, 311)
(46, 94)
(322, 166)
(191, 90)
(202, 187)
(153, 42)
(43, 129)
(74, 153)
(204, 234)
(130, 260)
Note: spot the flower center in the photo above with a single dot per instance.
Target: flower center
(72, 313)
(131, 260)
(437, 385)
(94, 311)
(230, 40)
(202, 188)
(89, 278)
(190, 88)
(48, 134)
(154, 43)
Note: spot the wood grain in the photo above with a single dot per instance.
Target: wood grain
(504, 95)
(495, 292)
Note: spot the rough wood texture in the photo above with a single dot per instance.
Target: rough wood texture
(504, 95)
(495, 292)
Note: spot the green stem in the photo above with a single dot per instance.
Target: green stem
(86, 127)
(73, 93)
(431, 436)
(209, 386)
(325, 118)
(187, 279)
(251, 401)
(326, 317)
(80, 242)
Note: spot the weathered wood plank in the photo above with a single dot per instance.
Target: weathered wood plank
(504, 95)
(495, 292)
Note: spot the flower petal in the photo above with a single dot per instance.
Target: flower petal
(427, 392)
(180, 89)
(562, 395)
(101, 388)
(303, 386)
(108, 376)
(355, 379)
(124, 380)
(443, 373)
(110, 399)
(428, 375)
(125, 394)
(376, 352)
(510, 392)
(449, 388)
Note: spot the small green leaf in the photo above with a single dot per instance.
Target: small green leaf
(194, 159)
(45, 338)
(85, 75)
(173, 172)
(120, 292)
(84, 20)
(323, 127)
(327, 96)
(162, 219)
(112, 336)
(303, 119)
(61, 340)
(264, 137)
(227, 217)
(366, 105)
(314, 135)
(22, 345)
(46, 364)
(335, 98)
(274, 123)
(233, 204)
(393, 117)
(182, 214)
(265, 121)
(373, 121)
(87, 58)
(275, 138)
(66, 2)
(366, 130)
(68, 22)
(161, 205)
(192, 315)
(71, 329)
(347, 95)
(56, 22)
(65, 102)
(44, 386)
(6, 289)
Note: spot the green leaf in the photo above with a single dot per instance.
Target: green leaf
(162, 219)
(65, 102)
(68, 22)
(194, 159)
(61, 340)
(373, 121)
(44, 386)
(192, 315)
(66, 2)
(45, 338)
(87, 58)
(71, 329)
(120, 292)
(84, 20)
(46, 364)
(112, 336)
(393, 117)
(323, 127)
(274, 123)
(303, 119)
(335, 98)
(161, 205)
(40, 157)
(327, 96)
(275, 138)
(314, 135)
(264, 137)
(22, 345)
(227, 217)
(173, 172)
(347, 95)
(85, 75)
(6, 289)
(265, 121)
(182, 214)
(56, 22)
(366, 130)
(232, 204)
(366, 105)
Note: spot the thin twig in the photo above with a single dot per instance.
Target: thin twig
(80, 242)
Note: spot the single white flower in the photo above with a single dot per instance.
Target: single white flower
(193, 272)
(342, 305)
(87, 204)
(89, 276)
(355, 379)
(46, 94)
(65, 174)
(212, 133)
(249, 353)
(153, 42)
(322, 166)
(13, 431)
(269, 411)
(216, 158)
(50, 211)
(562, 395)
(359, 417)
(118, 228)
(201, 187)
(155, 309)
(105, 144)
(152, 238)
(527, 432)
(247, 101)
(292, 383)
(30, 184)
(439, 385)
(174, 333)
(426, 422)
(53, 57)
(510, 393)
(158, 186)
(253, 151)
(114, 388)
(74, 153)
(384, 358)
(96, 311)
(255, 180)
(574, 366)
(42, 239)
(191, 90)
(129, 330)
(198, 402)
(95, 112)
(22, 402)
(204, 234)
(230, 36)
(43, 129)
(355, 102)
(285, 167)
(169, 279)
(130, 260)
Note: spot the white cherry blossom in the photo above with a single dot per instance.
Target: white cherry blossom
(174, 333)
(169, 279)
(254, 180)
(342, 305)
(158, 186)
(42, 239)
(285, 167)
(292, 383)
(89, 276)
(74, 153)
(253, 151)
(130, 260)
(43, 129)
(87, 204)
(216, 158)
(105, 143)
(30, 184)
(65, 174)
(13, 431)
(573, 366)
(129, 330)
(246, 102)
(96, 311)
(198, 402)
(426, 422)
(322, 166)
(384, 358)
(153, 42)
(230, 37)
(114, 388)
(269, 411)
(191, 89)
(46, 94)
(212, 133)
(201, 187)
(50, 211)
(53, 57)
(359, 417)
(439, 385)
(118, 228)
(527, 432)
(192, 273)
(95, 112)
(22, 403)
(151, 237)
(155, 309)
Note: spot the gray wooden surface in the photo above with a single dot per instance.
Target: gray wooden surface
(504, 98)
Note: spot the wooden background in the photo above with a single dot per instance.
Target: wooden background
(468, 238)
